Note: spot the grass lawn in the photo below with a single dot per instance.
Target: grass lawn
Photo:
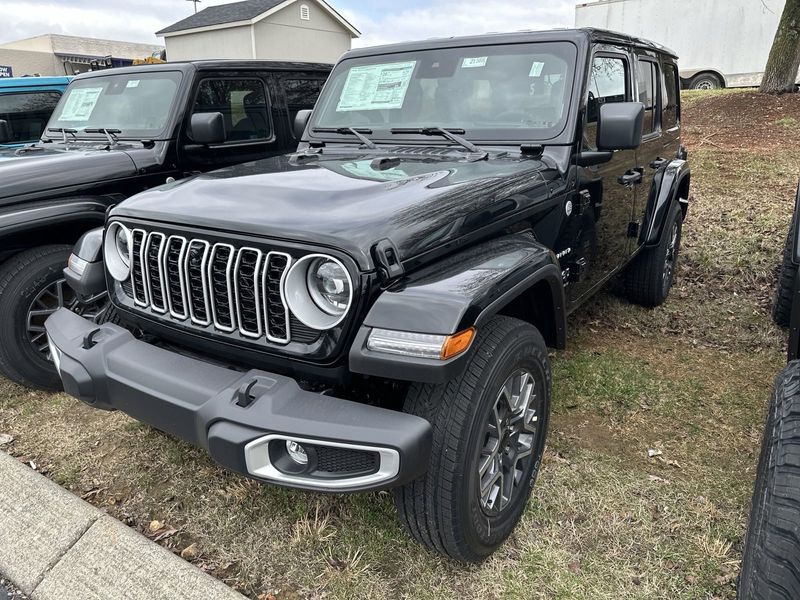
(656, 426)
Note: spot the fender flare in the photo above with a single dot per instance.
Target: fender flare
(666, 188)
(36, 215)
(463, 290)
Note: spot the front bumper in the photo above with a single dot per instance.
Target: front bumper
(242, 419)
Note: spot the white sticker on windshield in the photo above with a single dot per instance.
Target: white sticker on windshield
(375, 87)
(473, 63)
(536, 69)
(80, 104)
(133, 83)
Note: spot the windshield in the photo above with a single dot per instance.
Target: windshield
(138, 105)
(510, 92)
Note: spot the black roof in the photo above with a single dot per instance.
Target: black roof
(224, 13)
(203, 65)
(519, 37)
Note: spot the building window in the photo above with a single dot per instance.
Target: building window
(305, 12)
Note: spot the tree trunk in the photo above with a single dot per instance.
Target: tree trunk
(784, 58)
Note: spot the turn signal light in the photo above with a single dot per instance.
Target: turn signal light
(457, 344)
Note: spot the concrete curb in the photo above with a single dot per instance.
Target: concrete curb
(55, 546)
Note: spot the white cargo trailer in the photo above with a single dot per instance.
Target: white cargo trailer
(720, 42)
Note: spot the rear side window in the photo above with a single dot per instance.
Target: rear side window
(243, 104)
(301, 94)
(671, 113)
(608, 82)
(27, 113)
(649, 94)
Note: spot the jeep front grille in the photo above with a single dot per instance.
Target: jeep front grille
(232, 290)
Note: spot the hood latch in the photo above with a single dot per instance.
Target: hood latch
(387, 258)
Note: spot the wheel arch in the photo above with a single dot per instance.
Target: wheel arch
(60, 222)
(688, 76)
(670, 185)
(511, 276)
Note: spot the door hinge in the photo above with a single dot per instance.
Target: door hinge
(387, 259)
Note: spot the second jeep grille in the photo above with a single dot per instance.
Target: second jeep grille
(211, 285)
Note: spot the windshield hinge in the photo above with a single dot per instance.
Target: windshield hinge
(387, 259)
(535, 150)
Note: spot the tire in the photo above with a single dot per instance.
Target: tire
(32, 282)
(706, 81)
(649, 278)
(771, 562)
(444, 509)
(782, 307)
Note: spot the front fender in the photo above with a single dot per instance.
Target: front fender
(462, 291)
(36, 215)
(667, 186)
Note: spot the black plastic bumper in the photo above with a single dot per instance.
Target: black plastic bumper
(226, 411)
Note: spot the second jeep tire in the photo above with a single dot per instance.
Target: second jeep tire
(32, 286)
(771, 562)
(489, 430)
(782, 307)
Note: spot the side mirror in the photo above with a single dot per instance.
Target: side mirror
(301, 122)
(620, 126)
(208, 128)
(5, 132)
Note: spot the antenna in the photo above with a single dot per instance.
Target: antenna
(195, 4)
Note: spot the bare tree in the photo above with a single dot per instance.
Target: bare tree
(784, 58)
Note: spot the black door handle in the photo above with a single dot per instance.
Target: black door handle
(631, 177)
(658, 163)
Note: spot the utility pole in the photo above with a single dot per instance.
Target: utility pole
(195, 4)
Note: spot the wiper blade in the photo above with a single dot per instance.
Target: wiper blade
(111, 134)
(64, 131)
(359, 133)
(450, 134)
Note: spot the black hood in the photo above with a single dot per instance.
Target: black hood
(351, 203)
(40, 170)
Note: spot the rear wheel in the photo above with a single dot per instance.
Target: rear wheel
(489, 428)
(771, 562)
(649, 278)
(32, 287)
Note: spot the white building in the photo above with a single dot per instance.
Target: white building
(295, 30)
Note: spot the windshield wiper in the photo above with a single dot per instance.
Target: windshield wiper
(111, 134)
(64, 131)
(450, 134)
(359, 133)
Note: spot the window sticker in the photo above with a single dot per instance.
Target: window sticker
(80, 104)
(133, 83)
(536, 69)
(473, 63)
(376, 87)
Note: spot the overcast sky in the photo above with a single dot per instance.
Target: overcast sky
(380, 21)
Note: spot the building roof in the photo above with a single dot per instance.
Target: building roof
(246, 12)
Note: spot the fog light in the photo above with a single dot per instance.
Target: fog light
(296, 452)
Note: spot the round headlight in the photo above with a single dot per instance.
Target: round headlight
(319, 291)
(117, 250)
(329, 285)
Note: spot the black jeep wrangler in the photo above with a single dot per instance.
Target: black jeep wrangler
(116, 133)
(375, 310)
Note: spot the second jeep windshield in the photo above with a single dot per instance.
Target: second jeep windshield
(501, 92)
(137, 105)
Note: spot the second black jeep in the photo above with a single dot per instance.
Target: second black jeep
(374, 311)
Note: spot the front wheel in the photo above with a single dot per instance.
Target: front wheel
(490, 427)
(32, 287)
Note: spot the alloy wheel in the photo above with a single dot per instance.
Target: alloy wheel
(509, 440)
(53, 297)
(671, 258)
